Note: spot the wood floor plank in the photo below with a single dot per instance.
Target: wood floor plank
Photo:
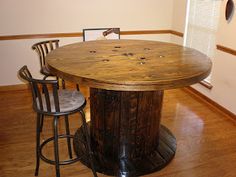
(206, 143)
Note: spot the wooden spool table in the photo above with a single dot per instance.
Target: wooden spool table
(127, 79)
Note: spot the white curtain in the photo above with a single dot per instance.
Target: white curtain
(202, 23)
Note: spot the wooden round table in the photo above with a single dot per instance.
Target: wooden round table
(127, 79)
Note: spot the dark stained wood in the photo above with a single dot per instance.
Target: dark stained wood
(129, 65)
(125, 128)
(156, 160)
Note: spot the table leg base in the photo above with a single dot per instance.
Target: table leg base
(155, 161)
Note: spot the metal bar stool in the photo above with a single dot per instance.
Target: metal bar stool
(50, 101)
(43, 48)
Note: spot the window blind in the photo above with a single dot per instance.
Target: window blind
(202, 22)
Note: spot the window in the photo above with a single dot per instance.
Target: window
(201, 26)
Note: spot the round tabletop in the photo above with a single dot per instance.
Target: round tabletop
(129, 65)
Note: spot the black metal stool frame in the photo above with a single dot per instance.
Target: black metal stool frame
(56, 113)
(43, 48)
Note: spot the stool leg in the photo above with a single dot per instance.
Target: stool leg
(63, 84)
(41, 122)
(58, 84)
(68, 138)
(56, 149)
(38, 123)
(87, 144)
(77, 87)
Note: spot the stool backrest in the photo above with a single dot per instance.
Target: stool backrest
(43, 102)
(90, 34)
(43, 48)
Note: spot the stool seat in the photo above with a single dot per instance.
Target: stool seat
(69, 100)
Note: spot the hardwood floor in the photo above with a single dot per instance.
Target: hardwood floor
(206, 143)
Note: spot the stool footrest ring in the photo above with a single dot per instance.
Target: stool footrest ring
(65, 162)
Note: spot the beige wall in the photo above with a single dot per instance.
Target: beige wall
(178, 19)
(16, 53)
(223, 72)
(61, 16)
(49, 16)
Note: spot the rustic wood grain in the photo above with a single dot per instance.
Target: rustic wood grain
(115, 70)
(129, 65)
(125, 128)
